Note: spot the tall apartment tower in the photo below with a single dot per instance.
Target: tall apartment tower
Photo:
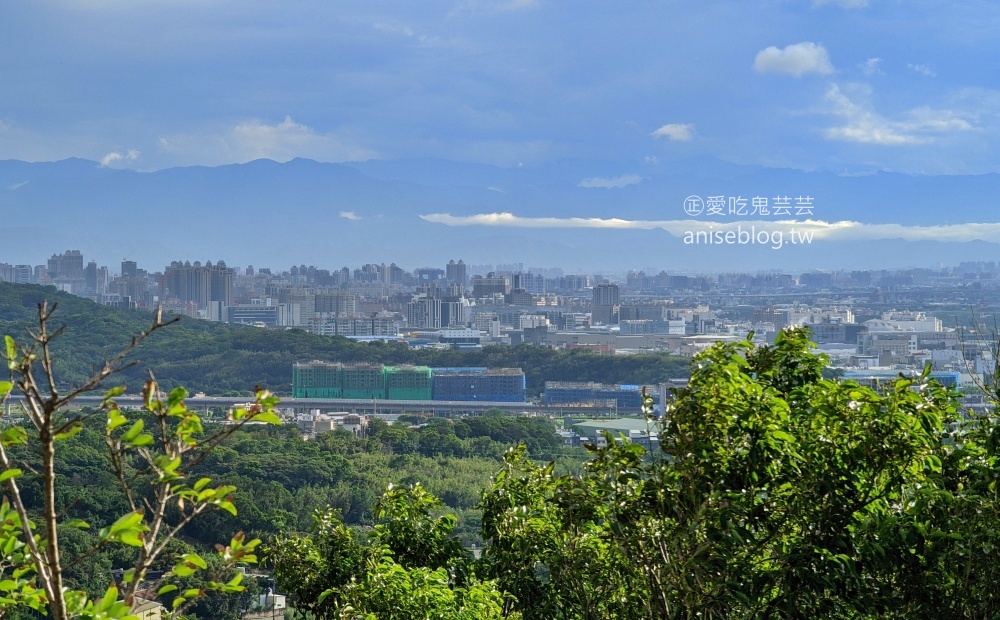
(606, 303)
(606, 295)
(424, 312)
(336, 303)
(68, 265)
(22, 274)
(456, 273)
(200, 284)
(90, 276)
(220, 283)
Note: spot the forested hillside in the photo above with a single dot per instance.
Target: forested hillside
(281, 480)
(217, 358)
(775, 494)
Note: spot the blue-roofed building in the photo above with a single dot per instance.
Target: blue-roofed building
(476, 383)
(592, 394)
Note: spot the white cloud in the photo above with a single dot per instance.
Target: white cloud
(871, 67)
(117, 157)
(796, 59)
(496, 189)
(284, 139)
(255, 139)
(613, 182)
(17, 186)
(819, 229)
(928, 119)
(844, 4)
(681, 132)
(862, 124)
(350, 215)
(405, 31)
(922, 70)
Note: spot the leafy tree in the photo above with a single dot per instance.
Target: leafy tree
(391, 592)
(152, 469)
(325, 562)
(411, 567)
(416, 539)
(777, 494)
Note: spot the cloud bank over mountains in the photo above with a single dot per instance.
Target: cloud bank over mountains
(816, 229)
(426, 212)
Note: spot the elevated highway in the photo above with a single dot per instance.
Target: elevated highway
(370, 407)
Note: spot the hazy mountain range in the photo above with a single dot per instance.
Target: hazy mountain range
(273, 214)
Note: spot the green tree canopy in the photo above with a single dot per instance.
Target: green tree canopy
(777, 494)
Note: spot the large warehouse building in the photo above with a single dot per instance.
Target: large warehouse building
(370, 381)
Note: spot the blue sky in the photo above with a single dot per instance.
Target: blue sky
(850, 86)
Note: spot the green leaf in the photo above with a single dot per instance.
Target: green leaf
(134, 431)
(228, 507)
(782, 435)
(109, 599)
(128, 530)
(115, 391)
(266, 416)
(14, 436)
(115, 418)
(70, 432)
(183, 570)
(10, 473)
(167, 588)
(5, 388)
(11, 353)
(142, 440)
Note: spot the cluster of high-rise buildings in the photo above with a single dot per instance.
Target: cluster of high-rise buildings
(881, 318)
(872, 324)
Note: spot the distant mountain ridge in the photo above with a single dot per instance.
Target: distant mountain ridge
(278, 214)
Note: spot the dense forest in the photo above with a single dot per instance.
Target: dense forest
(776, 493)
(281, 480)
(219, 359)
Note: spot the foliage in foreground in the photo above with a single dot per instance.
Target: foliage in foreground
(777, 495)
(411, 566)
(152, 467)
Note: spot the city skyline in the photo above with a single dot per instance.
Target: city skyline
(72, 264)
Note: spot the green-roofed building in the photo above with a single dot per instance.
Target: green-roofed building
(635, 430)
(408, 382)
(593, 428)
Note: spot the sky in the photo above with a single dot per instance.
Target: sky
(849, 86)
